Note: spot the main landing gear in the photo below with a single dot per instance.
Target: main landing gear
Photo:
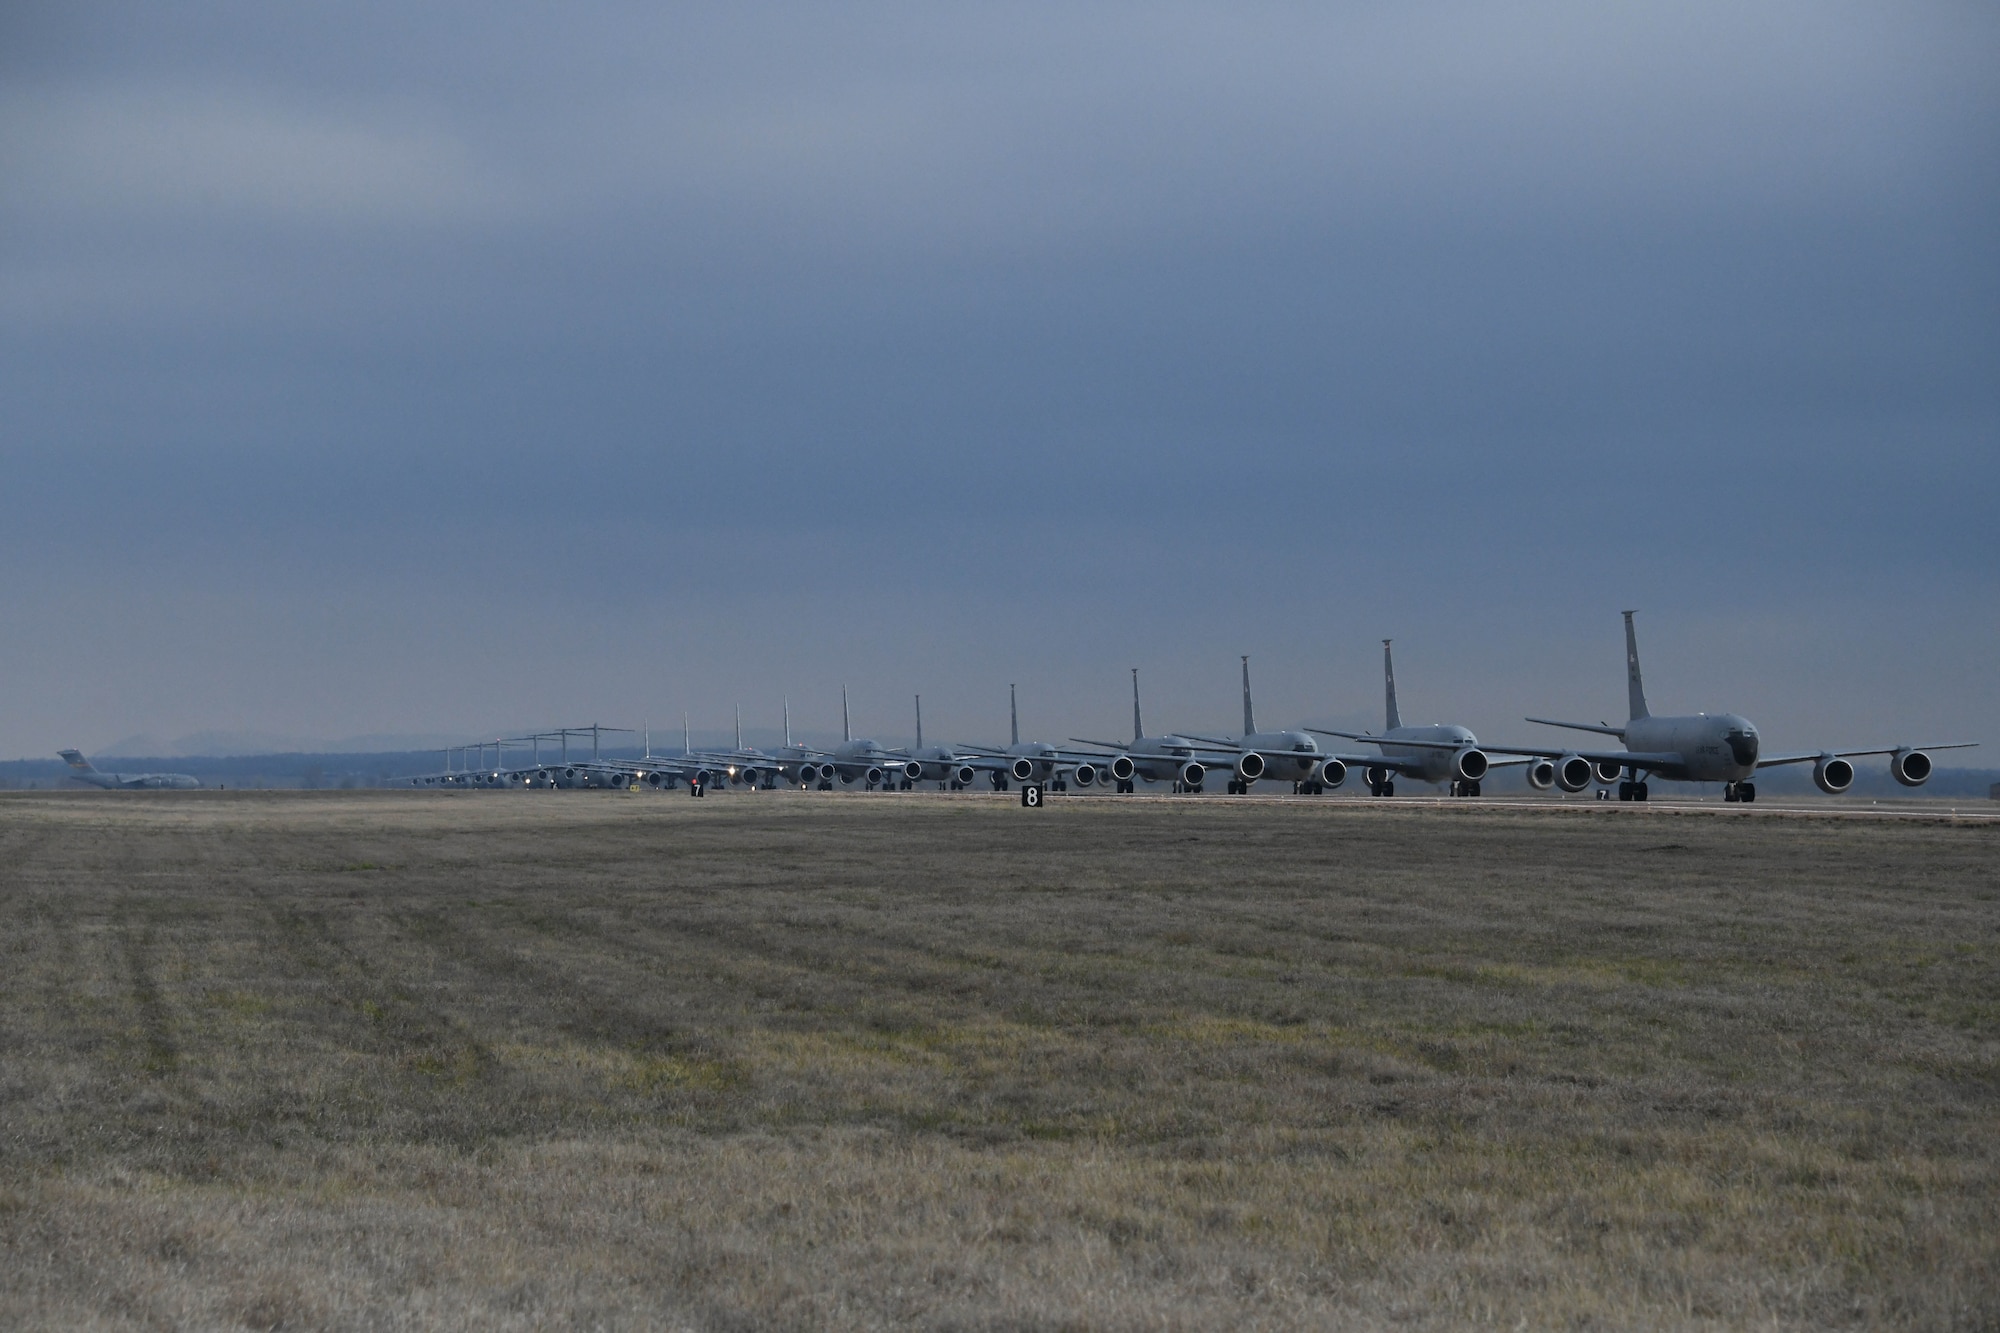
(999, 781)
(1125, 787)
(1238, 787)
(1465, 789)
(1631, 791)
(1308, 789)
(1382, 789)
(1739, 791)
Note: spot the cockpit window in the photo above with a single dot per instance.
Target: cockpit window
(1742, 745)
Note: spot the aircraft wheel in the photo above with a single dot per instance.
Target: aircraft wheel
(1639, 792)
(1472, 789)
(1746, 791)
(1625, 791)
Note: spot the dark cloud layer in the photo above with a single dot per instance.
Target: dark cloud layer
(370, 370)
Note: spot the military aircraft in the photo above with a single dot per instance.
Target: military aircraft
(1436, 753)
(1034, 761)
(81, 771)
(1181, 760)
(864, 759)
(1286, 756)
(940, 763)
(1704, 747)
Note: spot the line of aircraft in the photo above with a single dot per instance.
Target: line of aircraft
(1700, 747)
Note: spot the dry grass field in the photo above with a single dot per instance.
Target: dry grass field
(375, 1060)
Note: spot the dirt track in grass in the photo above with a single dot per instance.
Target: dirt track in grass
(519, 1059)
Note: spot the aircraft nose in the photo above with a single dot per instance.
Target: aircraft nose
(1743, 745)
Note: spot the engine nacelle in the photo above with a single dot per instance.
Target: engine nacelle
(1084, 774)
(1541, 774)
(964, 773)
(1573, 773)
(1832, 774)
(875, 775)
(1332, 773)
(1023, 770)
(1122, 768)
(749, 777)
(808, 773)
(1470, 764)
(1250, 766)
(656, 778)
(1912, 768)
(1608, 771)
(1192, 773)
(913, 770)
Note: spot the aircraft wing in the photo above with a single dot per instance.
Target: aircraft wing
(1776, 761)
(1629, 758)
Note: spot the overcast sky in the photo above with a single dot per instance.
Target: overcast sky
(390, 369)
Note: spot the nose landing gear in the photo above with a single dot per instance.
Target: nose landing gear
(1739, 791)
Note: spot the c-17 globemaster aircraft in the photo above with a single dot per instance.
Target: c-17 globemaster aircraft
(1437, 753)
(1706, 747)
(81, 771)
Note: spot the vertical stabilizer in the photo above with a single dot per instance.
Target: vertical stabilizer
(1249, 718)
(846, 732)
(1013, 718)
(685, 747)
(788, 722)
(1394, 717)
(82, 765)
(1633, 685)
(920, 722)
(1138, 727)
(739, 726)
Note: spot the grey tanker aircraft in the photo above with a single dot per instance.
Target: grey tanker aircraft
(82, 771)
(1703, 747)
(1036, 761)
(1440, 752)
(1284, 756)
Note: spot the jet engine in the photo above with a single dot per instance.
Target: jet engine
(964, 774)
(1912, 768)
(1122, 768)
(1250, 766)
(749, 777)
(1572, 772)
(808, 773)
(1832, 774)
(1085, 774)
(1608, 770)
(1332, 773)
(874, 775)
(1470, 764)
(1192, 773)
(912, 770)
(656, 778)
(1541, 774)
(1023, 770)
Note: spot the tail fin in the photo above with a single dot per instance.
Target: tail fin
(685, 747)
(76, 761)
(788, 722)
(1138, 728)
(1632, 683)
(1249, 720)
(1395, 717)
(1013, 717)
(920, 722)
(846, 732)
(739, 726)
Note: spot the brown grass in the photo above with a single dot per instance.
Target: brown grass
(529, 1059)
